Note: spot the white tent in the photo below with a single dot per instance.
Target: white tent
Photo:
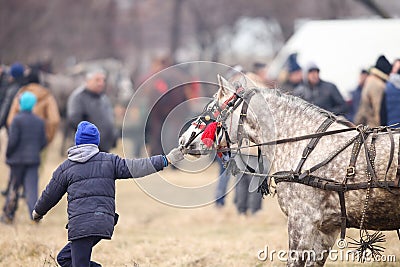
(341, 48)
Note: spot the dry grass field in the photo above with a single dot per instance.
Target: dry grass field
(150, 233)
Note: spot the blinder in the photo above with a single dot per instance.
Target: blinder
(218, 114)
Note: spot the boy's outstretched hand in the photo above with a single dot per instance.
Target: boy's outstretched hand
(35, 216)
(175, 155)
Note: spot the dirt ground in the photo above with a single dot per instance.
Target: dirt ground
(150, 233)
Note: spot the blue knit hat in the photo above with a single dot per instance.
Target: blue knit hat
(87, 133)
(27, 101)
(17, 70)
(292, 64)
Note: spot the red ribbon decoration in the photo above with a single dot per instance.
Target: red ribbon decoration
(208, 136)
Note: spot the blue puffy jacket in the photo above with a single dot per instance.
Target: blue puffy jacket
(392, 98)
(26, 139)
(88, 176)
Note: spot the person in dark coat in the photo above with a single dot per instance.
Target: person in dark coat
(18, 80)
(294, 75)
(88, 176)
(4, 77)
(27, 138)
(356, 95)
(392, 99)
(321, 93)
(8, 93)
(166, 93)
(90, 103)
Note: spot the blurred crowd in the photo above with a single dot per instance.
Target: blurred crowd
(374, 102)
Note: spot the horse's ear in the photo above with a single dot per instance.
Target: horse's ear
(223, 86)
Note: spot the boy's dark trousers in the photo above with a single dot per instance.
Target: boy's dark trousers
(77, 253)
(26, 175)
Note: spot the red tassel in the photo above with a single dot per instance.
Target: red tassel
(208, 135)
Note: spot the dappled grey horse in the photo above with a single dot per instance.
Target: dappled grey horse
(333, 177)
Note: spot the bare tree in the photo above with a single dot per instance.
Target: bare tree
(175, 29)
(375, 8)
(31, 29)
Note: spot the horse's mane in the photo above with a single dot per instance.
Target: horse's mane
(296, 103)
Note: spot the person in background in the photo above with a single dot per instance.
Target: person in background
(372, 96)
(167, 92)
(223, 180)
(26, 139)
(320, 93)
(396, 66)
(89, 102)
(245, 200)
(247, 197)
(356, 95)
(88, 176)
(294, 75)
(17, 75)
(3, 83)
(45, 108)
(17, 81)
(392, 97)
(258, 75)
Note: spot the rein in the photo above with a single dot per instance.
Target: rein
(277, 141)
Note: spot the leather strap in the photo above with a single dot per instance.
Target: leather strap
(240, 130)
(343, 215)
(313, 143)
(328, 159)
(329, 185)
(397, 180)
(391, 155)
(351, 169)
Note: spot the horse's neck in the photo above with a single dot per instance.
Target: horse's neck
(286, 117)
(280, 117)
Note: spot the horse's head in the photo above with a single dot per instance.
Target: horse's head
(210, 129)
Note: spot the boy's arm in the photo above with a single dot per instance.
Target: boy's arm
(127, 168)
(54, 191)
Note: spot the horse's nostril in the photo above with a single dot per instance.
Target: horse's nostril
(192, 146)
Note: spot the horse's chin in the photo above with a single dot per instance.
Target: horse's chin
(193, 156)
(196, 152)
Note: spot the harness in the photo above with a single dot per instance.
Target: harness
(219, 115)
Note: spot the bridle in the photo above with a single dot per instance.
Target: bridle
(219, 114)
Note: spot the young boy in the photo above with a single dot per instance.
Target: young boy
(88, 176)
(27, 138)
